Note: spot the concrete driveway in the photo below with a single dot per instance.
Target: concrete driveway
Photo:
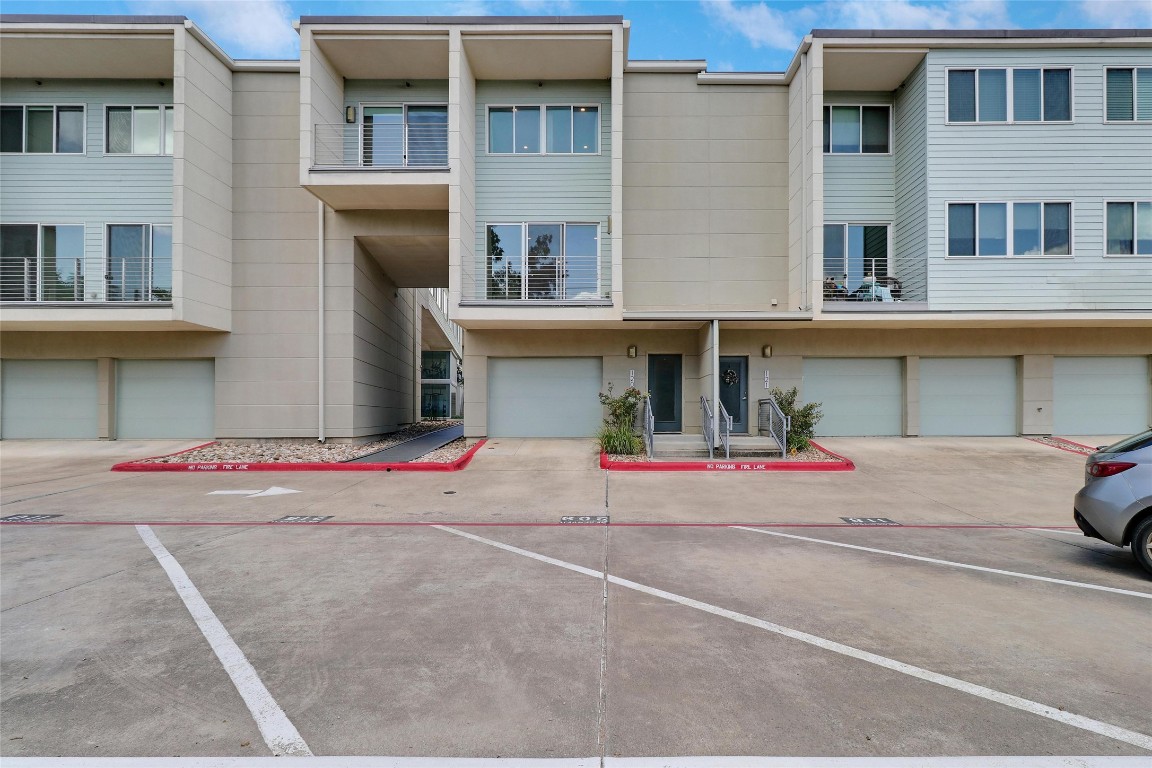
(716, 615)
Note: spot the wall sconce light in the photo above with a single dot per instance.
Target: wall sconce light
(407, 84)
(766, 350)
(631, 350)
(349, 114)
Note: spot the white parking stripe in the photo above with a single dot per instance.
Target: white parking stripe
(934, 561)
(982, 761)
(1077, 534)
(278, 732)
(1141, 740)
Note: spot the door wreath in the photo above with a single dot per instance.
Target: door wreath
(729, 377)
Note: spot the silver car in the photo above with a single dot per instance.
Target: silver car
(1115, 503)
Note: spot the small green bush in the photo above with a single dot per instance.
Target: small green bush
(803, 419)
(621, 441)
(618, 435)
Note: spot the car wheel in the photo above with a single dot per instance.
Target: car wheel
(1142, 544)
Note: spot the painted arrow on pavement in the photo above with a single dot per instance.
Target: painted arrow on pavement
(252, 494)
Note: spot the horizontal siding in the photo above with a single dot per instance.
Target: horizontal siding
(859, 188)
(512, 188)
(357, 92)
(1085, 162)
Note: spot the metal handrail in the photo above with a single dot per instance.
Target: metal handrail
(706, 425)
(774, 422)
(387, 146)
(725, 427)
(649, 428)
(92, 279)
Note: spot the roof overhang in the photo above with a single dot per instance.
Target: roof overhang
(869, 69)
(364, 54)
(410, 260)
(139, 51)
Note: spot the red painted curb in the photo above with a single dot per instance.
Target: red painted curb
(424, 466)
(737, 465)
(470, 524)
(1061, 448)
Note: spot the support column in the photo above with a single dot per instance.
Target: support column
(106, 394)
(1034, 385)
(911, 425)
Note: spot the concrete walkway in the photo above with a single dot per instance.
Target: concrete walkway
(414, 448)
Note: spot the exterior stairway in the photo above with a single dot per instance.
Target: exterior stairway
(678, 447)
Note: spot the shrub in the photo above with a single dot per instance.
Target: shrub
(618, 434)
(803, 419)
(621, 441)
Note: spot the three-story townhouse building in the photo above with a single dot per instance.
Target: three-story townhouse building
(930, 233)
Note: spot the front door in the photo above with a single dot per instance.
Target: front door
(734, 390)
(664, 374)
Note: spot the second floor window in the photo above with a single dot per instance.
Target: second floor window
(857, 130)
(42, 129)
(1009, 95)
(1129, 228)
(41, 262)
(1010, 229)
(544, 129)
(139, 262)
(543, 261)
(1129, 94)
(139, 130)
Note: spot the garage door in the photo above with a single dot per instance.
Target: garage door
(544, 397)
(1100, 395)
(968, 396)
(165, 398)
(50, 399)
(859, 396)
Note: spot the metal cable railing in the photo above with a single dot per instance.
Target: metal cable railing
(725, 428)
(707, 425)
(773, 421)
(384, 145)
(92, 280)
(569, 277)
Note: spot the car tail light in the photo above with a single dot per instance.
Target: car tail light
(1108, 468)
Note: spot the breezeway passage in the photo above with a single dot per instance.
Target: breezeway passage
(378, 637)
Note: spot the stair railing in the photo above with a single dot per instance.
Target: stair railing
(707, 425)
(725, 424)
(649, 428)
(773, 421)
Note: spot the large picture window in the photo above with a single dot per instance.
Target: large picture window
(857, 130)
(544, 129)
(139, 262)
(42, 262)
(1010, 95)
(856, 262)
(1128, 95)
(42, 129)
(139, 130)
(1129, 228)
(543, 261)
(1010, 229)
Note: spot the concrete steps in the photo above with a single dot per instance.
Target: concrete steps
(680, 447)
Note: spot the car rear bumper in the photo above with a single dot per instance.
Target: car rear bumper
(1103, 508)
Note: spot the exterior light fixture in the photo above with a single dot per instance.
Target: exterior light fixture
(766, 350)
(350, 114)
(631, 350)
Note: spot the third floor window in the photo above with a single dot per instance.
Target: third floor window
(42, 129)
(1010, 95)
(857, 130)
(139, 130)
(1129, 95)
(544, 129)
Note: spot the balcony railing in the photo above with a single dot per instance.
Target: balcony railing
(545, 279)
(27, 280)
(383, 146)
(885, 293)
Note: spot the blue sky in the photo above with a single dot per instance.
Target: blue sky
(731, 35)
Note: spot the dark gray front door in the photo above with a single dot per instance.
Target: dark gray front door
(734, 390)
(664, 375)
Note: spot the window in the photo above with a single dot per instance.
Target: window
(42, 129)
(1129, 228)
(1129, 94)
(543, 261)
(139, 130)
(41, 262)
(1003, 229)
(139, 264)
(551, 129)
(857, 130)
(984, 95)
(401, 135)
(855, 256)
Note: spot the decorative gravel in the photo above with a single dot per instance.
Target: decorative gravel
(446, 454)
(809, 454)
(301, 451)
(1067, 445)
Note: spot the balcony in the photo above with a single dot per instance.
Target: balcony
(396, 159)
(536, 263)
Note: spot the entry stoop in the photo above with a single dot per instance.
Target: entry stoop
(677, 447)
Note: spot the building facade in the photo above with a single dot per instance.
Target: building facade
(930, 233)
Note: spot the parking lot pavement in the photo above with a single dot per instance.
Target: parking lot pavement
(507, 634)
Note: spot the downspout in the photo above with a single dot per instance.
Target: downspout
(320, 323)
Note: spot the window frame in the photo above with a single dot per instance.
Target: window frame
(1009, 96)
(1010, 221)
(164, 108)
(888, 226)
(1135, 212)
(403, 105)
(149, 256)
(523, 225)
(55, 130)
(1135, 102)
(40, 225)
(543, 107)
(860, 132)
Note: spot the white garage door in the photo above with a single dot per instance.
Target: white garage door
(1100, 395)
(165, 399)
(968, 396)
(860, 396)
(544, 397)
(50, 399)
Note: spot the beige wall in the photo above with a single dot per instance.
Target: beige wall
(202, 185)
(705, 194)
(806, 181)
(462, 160)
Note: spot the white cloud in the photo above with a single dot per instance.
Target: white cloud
(1118, 14)
(761, 25)
(546, 7)
(470, 8)
(244, 28)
